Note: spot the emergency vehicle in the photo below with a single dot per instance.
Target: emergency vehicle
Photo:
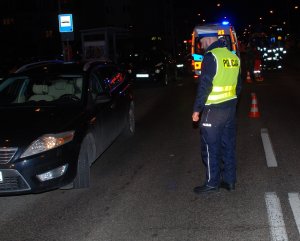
(224, 30)
(272, 49)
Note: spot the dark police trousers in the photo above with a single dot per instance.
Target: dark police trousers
(218, 140)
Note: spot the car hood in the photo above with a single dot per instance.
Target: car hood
(25, 124)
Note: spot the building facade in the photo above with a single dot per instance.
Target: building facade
(29, 28)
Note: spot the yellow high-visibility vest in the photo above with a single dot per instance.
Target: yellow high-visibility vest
(225, 80)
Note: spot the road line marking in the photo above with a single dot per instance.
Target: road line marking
(270, 156)
(295, 205)
(276, 222)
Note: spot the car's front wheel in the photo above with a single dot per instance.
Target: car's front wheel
(85, 159)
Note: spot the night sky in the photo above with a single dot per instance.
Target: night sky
(240, 13)
(148, 16)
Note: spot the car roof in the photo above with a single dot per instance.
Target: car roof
(59, 66)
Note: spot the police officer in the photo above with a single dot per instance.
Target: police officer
(215, 106)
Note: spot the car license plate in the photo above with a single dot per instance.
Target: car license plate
(1, 177)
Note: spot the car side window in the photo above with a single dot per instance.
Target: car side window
(13, 90)
(104, 74)
(115, 78)
(96, 88)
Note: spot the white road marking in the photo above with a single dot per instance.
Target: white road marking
(276, 222)
(295, 205)
(270, 156)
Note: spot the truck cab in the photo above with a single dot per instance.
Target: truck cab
(224, 30)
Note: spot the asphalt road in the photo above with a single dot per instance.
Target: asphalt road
(141, 188)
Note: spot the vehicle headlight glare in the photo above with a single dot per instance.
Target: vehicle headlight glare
(48, 142)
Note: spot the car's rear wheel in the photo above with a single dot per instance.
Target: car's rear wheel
(85, 159)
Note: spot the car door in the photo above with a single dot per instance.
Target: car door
(119, 91)
(104, 117)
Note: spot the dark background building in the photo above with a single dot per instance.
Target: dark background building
(29, 28)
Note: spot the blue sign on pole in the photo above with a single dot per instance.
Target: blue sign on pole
(65, 23)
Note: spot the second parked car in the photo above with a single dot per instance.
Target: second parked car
(151, 66)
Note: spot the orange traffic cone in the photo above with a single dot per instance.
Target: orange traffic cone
(254, 113)
(248, 79)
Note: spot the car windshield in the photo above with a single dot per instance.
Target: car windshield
(31, 89)
(151, 57)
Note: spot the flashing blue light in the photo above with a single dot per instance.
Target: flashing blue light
(225, 23)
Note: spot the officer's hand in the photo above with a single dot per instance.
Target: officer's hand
(196, 116)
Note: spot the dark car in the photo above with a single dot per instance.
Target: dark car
(151, 67)
(57, 118)
(184, 66)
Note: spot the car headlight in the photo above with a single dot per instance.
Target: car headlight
(48, 142)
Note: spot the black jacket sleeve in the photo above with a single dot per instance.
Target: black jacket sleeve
(208, 71)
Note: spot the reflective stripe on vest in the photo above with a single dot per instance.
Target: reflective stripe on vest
(227, 94)
(225, 80)
(222, 88)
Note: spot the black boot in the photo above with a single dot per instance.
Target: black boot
(205, 189)
(228, 186)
